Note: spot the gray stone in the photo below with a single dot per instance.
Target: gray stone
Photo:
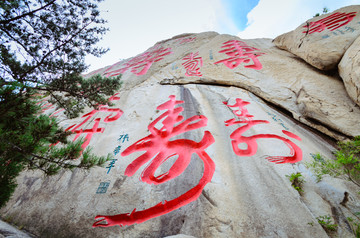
(6, 230)
(323, 40)
(245, 194)
(349, 70)
(316, 99)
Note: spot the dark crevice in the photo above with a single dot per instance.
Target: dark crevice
(306, 33)
(283, 111)
(317, 122)
(211, 201)
(340, 218)
(328, 72)
(277, 108)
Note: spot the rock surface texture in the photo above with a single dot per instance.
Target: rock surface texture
(323, 40)
(9, 231)
(203, 133)
(349, 69)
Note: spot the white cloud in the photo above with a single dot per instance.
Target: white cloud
(137, 25)
(271, 18)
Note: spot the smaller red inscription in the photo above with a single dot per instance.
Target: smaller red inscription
(192, 64)
(46, 106)
(115, 113)
(184, 40)
(54, 114)
(139, 65)
(250, 141)
(240, 52)
(332, 22)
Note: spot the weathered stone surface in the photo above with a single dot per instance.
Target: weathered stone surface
(323, 40)
(349, 70)
(318, 100)
(248, 196)
(9, 231)
(244, 193)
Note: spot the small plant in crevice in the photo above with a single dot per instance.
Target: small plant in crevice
(346, 164)
(8, 219)
(355, 226)
(326, 223)
(296, 180)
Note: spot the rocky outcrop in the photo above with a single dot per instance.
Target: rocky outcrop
(349, 69)
(323, 40)
(7, 230)
(312, 97)
(203, 133)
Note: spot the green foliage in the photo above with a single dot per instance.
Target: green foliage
(325, 10)
(80, 92)
(355, 226)
(25, 137)
(42, 49)
(346, 164)
(43, 46)
(296, 181)
(326, 223)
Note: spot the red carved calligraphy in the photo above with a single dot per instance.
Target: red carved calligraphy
(332, 22)
(240, 52)
(115, 113)
(41, 102)
(192, 63)
(159, 148)
(55, 114)
(46, 106)
(139, 65)
(250, 141)
(184, 40)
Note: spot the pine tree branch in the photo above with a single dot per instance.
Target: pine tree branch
(11, 36)
(61, 105)
(37, 156)
(26, 14)
(54, 49)
(50, 90)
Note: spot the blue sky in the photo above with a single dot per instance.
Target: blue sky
(238, 10)
(137, 25)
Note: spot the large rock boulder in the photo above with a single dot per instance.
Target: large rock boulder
(203, 133)
(311, 97)
(349, 70)
(323, 40)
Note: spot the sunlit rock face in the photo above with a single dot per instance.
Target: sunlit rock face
(203, 133)
(349, 69)
(323, 40)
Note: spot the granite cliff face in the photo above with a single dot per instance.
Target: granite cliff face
(203, 132)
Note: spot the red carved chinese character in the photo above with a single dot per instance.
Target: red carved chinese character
(184, 40)
(332, 22)
(110, 72)
(54, 114)
(240, 52)
(191, 64)
(159, 148)
(115, 113)
(46, 106)
(42, 101)
(114, 97)
(250, 141)
(141, 64)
